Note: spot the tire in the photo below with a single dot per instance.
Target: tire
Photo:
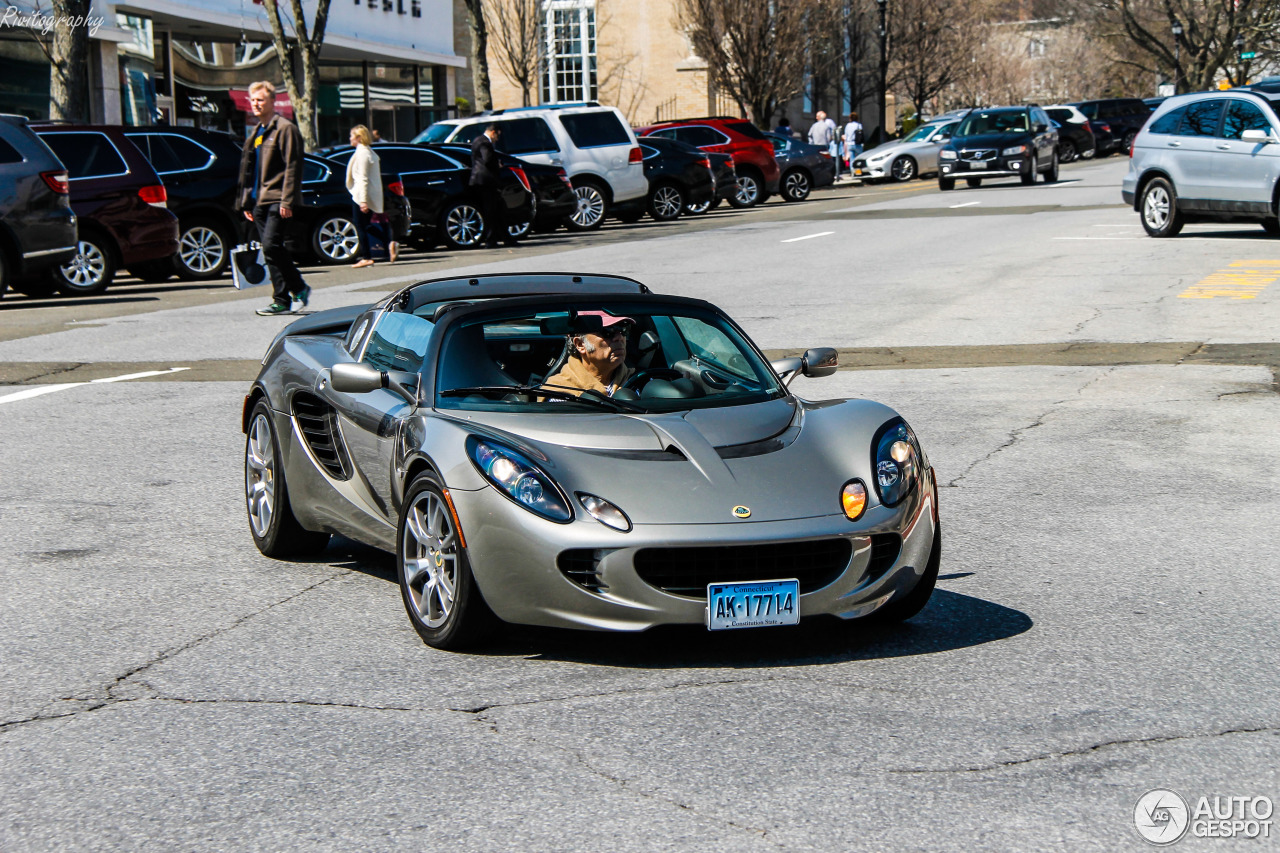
(1127, 144)
(666, 202)
(520, 231)
(750, 193)
(593, 206)
(440, 594)
(335, 240)
(946, 184)
(904, 168)
(973, 182)
(1271, 226)
(1067, 151)
(153, 272)
(91, 271)
(1029, 178)
(701, 207)
(1051, 176)
(1159, 209)
(4, 273)
(204, 251)
(1090, 154)
(272, 524)
(796, 185)
(913, 602)
(462, 225)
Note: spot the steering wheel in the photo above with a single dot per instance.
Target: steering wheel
(640, 378)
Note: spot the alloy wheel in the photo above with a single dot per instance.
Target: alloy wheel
(259, 476)
(520, 230)
(1155, 207)
(86, 270)
(796, 186)
(430, 559)
(748, 191)
(696, 207)
(590, 206)
(339, 239)
(464, 225)
(667, 202)
(904, 169)
(201, 250)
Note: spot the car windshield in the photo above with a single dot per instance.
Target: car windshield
(438, 132)
(1004, 121)
(920, 133)
(644, 357)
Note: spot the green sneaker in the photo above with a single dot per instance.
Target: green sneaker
(273, 309)
(303, 296)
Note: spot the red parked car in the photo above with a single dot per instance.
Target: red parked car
(758, 173)
(119, 201)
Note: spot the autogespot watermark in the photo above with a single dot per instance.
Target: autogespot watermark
(45, 23)
(1163, 817)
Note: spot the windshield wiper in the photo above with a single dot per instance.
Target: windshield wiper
(594, 397)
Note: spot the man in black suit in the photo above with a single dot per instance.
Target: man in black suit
(485, 180)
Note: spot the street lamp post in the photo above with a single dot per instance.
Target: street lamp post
(1240, 81)
(884, 67)
(1177, 58)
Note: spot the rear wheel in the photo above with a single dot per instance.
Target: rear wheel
(1159, 209)
(946, 184)
(90, 272)
(335, 239)
(440, 594)
(204, 251)
(272, 524)
(750, 192)
(695, 208)
(1067, 151)
(1127, 145)
(903, 169)
(462, 225)
(592, 207)
(1271, 226)
(520, 230)
(973, 182)
(796, 185)
(1051, 176)
(666, 202)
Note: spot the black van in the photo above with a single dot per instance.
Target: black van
(1126, 116)
(37, 226)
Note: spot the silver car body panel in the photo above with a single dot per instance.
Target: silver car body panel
(879, 160)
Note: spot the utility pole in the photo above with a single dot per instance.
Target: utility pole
(1177, 57)
(884, 69)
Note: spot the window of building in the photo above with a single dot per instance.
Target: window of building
(569, 30)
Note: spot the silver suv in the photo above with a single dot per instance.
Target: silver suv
(1207, 156)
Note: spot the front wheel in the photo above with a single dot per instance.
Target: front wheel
(1271, 226)
(272, 524)
(749, 192)
(1051, 176)
(946, 184)
(204, 251)
(666, 203)
(914, 601)
(520, 230)
(88, 273)
(903, 169)
(1159, 209)
(1067, 151)
(440, 594)
(592, 207)
(796, 185)
(695, 208)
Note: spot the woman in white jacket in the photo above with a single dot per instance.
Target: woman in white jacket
(364, 182)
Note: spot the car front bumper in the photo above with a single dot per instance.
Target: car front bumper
(1000, 167)
(514, 557)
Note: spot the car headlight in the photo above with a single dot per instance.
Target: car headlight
(1016, 149)
(876, 158)
(946, 154)
(511, 472)
(897, 462)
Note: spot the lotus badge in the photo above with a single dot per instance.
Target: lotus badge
(742, 512)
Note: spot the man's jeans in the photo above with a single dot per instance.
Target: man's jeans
(273, 230)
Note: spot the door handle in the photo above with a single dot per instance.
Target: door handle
(434, 183)
(1224, 146)
(1175, 144)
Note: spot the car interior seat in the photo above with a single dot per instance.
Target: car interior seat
(465, 363)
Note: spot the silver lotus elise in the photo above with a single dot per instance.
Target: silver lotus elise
(699, 489)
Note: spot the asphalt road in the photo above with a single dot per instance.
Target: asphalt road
(1100, 407)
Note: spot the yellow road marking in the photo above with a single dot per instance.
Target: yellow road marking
(1240, 280)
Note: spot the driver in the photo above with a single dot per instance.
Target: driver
(597, 350)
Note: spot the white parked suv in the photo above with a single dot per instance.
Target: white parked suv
(1207, 156)
(593, 144)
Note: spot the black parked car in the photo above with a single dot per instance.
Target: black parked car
(325, 223)
(1124, 117)
(1000, 142)
(678, 174)
(200, 170)
(726, 175)
(804, 166)
(435, 181)
(37, 227)
(554, 198)
(1075, 138)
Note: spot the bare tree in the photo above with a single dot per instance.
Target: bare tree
(479, 53)
(517, 35)
(932, 42)
(754, 50)
(303, 96)
(69, 62)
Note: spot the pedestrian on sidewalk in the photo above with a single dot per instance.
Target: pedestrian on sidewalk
(364, 182)
(852, 138)
(784, 126)
(822, 131)
(485, 181)
(270, 189)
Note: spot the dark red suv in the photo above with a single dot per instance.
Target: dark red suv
(120, 204)
(752, 152)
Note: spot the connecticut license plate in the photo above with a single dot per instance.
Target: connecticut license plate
(977, 164)
(753, 605)
(857, 171)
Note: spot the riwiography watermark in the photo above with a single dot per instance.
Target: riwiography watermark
(46, 23)
(1164, 817)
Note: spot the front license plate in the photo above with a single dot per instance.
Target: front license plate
(857, 171)
(753, 605)
(977, 164)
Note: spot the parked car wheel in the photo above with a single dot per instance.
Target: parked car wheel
(1159, 209)
(697, 208)
(462, 225)
(1051, 176)
(1067, 151)
(204, 251)
(520, 230)
(440, 595)
(592, 207)
(666, 202)
(1271, 226)
(1089, 155)
(749, 192)
(335, 239)
(973, 182)
(946, 184)
(796, 185)
(1127, 145)
(274, 527)
(904, 168)
(1029, 178)
(90, 272)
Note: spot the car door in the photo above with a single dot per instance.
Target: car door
(1245, 173)
(370, 422)
(1194, 146)
(1045, 136)
(926, 153)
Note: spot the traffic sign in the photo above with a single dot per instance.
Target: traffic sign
(1248, 54)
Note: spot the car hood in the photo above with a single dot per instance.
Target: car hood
(783, 459)
(893, 148)
(991, 140)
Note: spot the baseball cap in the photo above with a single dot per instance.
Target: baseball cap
(597, 321)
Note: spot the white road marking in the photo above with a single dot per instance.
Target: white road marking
(40, 390)
(808, 236)
(966, 204)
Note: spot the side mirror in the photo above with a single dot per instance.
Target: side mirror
(942, 138)
(816, 362)
(360, 378)
(1260, 136)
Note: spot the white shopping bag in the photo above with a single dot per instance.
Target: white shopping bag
(248, 269)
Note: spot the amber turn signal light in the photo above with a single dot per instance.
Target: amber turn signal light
(854, 499)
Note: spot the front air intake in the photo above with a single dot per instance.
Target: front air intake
(318, 423)
(687, 571)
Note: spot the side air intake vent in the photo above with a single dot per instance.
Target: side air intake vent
(318, 423)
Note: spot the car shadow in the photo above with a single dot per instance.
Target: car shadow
(951, 621)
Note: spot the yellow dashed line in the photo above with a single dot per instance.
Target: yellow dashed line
(1241, 280)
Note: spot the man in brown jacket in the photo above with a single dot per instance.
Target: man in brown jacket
(270, 190)
(597, 352)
